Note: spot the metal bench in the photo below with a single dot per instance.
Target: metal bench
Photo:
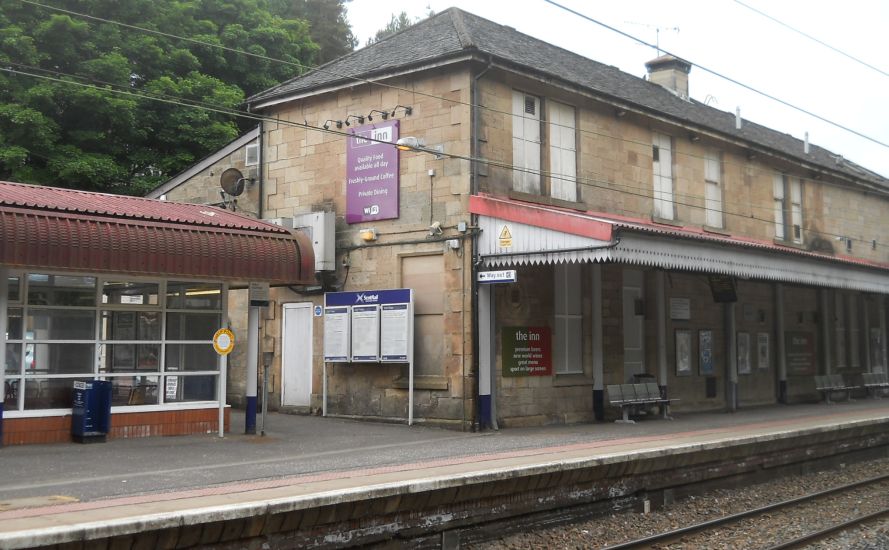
(831, 383)
(876, 383)
(631, 396)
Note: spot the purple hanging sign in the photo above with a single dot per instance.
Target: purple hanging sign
(372, 173)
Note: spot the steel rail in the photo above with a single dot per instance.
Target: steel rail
(676, 533)
(829, 530)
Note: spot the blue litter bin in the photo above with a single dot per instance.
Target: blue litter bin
(91, 411)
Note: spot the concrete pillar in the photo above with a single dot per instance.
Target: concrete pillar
(252, 367)
(661, 297)
(731, 354)
(4, 300)
(487, 410)
(780, 343)
(598, 352)
(824, 319)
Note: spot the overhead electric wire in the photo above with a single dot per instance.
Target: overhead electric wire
(340, 75)
(813, 39)
(720, 75)
(589, 182)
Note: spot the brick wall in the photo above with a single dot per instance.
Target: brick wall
(57, 429)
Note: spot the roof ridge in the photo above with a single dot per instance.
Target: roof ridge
(460, 27)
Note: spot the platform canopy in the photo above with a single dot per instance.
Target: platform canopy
(58, 229)
(520, 233)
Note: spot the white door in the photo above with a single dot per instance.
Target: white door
(296, 355)
(634, 324)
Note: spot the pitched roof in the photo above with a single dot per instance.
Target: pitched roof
(61, 229)
(455, 34)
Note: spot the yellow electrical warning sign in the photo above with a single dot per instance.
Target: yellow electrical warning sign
(505, 237)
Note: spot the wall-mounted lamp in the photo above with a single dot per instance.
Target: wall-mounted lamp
(359, 118)
(383, 114)
(326, 125)
(409, 143)
(407, 110)
(368, 235)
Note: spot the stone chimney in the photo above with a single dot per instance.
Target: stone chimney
(671, 73)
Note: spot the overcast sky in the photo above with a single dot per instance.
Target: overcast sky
(728, 38)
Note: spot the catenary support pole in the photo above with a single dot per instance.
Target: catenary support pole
(598, 359)
(660, 285)
(252, 368)
(779, 343)
(4, 299)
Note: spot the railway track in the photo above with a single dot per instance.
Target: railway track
(683, 534)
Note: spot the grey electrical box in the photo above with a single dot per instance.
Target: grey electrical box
(319, 227)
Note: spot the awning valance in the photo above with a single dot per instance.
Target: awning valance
(543, 242)
(58, 229)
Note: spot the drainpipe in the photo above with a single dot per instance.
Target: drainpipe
(660, 288)
(261, 171)
(474, 260)
(731, 354)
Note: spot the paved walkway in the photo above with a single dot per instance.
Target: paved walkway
(47, 487)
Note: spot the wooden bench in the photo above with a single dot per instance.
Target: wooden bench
(830, 383)
(876, 383)
(629, 396)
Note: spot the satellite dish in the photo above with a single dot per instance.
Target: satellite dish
(232, 181)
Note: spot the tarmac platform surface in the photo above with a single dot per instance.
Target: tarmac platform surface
(46, 489)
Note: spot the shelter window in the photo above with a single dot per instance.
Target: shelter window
(81, 328)
(662, 167)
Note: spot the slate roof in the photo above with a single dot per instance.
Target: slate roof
(454, 33)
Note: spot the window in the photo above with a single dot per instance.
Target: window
(153, 351)
(568, 337)
(713, 188)
(251, 154)
(526, 143)
(662, 166)
(788, 216)
(562, 151)
(527, 153)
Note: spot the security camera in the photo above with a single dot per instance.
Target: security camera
(435, 229)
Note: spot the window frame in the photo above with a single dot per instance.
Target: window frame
(714, 215)
(567, 312)
(102, 345)
(663, 205)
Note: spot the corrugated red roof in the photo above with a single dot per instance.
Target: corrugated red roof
(56, 199)
(101, 233)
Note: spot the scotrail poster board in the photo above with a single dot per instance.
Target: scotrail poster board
(380, 321)
(366, 334)
(396, 332)
(337, 335)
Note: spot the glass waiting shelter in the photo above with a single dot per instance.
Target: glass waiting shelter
(127, 290)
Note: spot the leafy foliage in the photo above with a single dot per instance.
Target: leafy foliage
(103, 134)
(328, 25)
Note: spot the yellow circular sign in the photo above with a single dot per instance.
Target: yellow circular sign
(223, 341)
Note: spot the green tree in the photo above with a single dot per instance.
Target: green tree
(89, 137)
(328, 24)
(396, 23)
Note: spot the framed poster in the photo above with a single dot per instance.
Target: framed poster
(526, 351)
(683, 352)
(743, 353)
(762, 350)
(705, 352)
